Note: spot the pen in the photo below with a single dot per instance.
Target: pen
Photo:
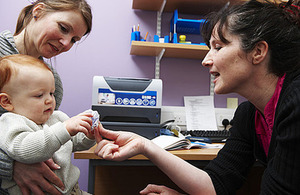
(138, 27)
(200, 143)
(199, 139)
(146, 36)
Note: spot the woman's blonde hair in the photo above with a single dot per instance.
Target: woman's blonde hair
(55, 5)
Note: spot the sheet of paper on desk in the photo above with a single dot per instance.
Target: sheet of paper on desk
(200, 113)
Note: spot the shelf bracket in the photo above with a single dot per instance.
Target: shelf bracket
(212, 85)
(158, 22)
(157, 63)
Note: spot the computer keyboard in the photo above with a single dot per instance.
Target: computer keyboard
(217, 136)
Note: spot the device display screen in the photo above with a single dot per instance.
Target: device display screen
(106, 96)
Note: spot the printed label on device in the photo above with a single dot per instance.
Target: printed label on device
(106, 96)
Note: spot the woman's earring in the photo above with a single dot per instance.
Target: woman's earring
(34, 17)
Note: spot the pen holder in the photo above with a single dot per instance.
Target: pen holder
(175, 38)
(167, 39)
(136, 36)
(156, 38)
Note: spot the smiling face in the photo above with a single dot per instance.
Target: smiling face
(228, 63)
(31, 92)
(52, 33)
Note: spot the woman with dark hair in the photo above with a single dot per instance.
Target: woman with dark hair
(45, 28)
(254, 51)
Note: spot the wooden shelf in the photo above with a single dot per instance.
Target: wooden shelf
(159, 50)
(172, 50)
(197, 7)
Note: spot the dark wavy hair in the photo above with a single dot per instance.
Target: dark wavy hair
(255, 21)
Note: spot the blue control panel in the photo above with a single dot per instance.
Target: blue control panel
(106, 96)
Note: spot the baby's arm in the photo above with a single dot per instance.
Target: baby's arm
(26, 142)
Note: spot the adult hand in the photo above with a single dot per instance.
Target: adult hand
(119, 146)
(152, 189)
(37, 178)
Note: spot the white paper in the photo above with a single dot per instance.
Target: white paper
(168, 142)
(200, 113)
(95, 118)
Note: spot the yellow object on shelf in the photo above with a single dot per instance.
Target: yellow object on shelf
(182, 39)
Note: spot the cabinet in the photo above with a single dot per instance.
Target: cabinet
(159, 50)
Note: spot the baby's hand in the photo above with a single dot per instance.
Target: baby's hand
(80, 123)
(94, 130)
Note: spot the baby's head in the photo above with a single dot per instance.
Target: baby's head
(26, 87)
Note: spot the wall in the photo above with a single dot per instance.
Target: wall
(106, 52)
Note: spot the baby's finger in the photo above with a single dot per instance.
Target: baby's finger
(86, 114)
(86, 124)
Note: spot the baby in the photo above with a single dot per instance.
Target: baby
(32, 131)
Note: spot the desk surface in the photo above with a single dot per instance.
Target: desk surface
(192, 154)
(133, 175)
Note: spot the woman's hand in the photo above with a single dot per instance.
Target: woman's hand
(152, 189)
(118, 145)
(37, 178)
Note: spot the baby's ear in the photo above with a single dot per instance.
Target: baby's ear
(5, 102)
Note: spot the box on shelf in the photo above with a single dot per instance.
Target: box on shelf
(184, 26)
